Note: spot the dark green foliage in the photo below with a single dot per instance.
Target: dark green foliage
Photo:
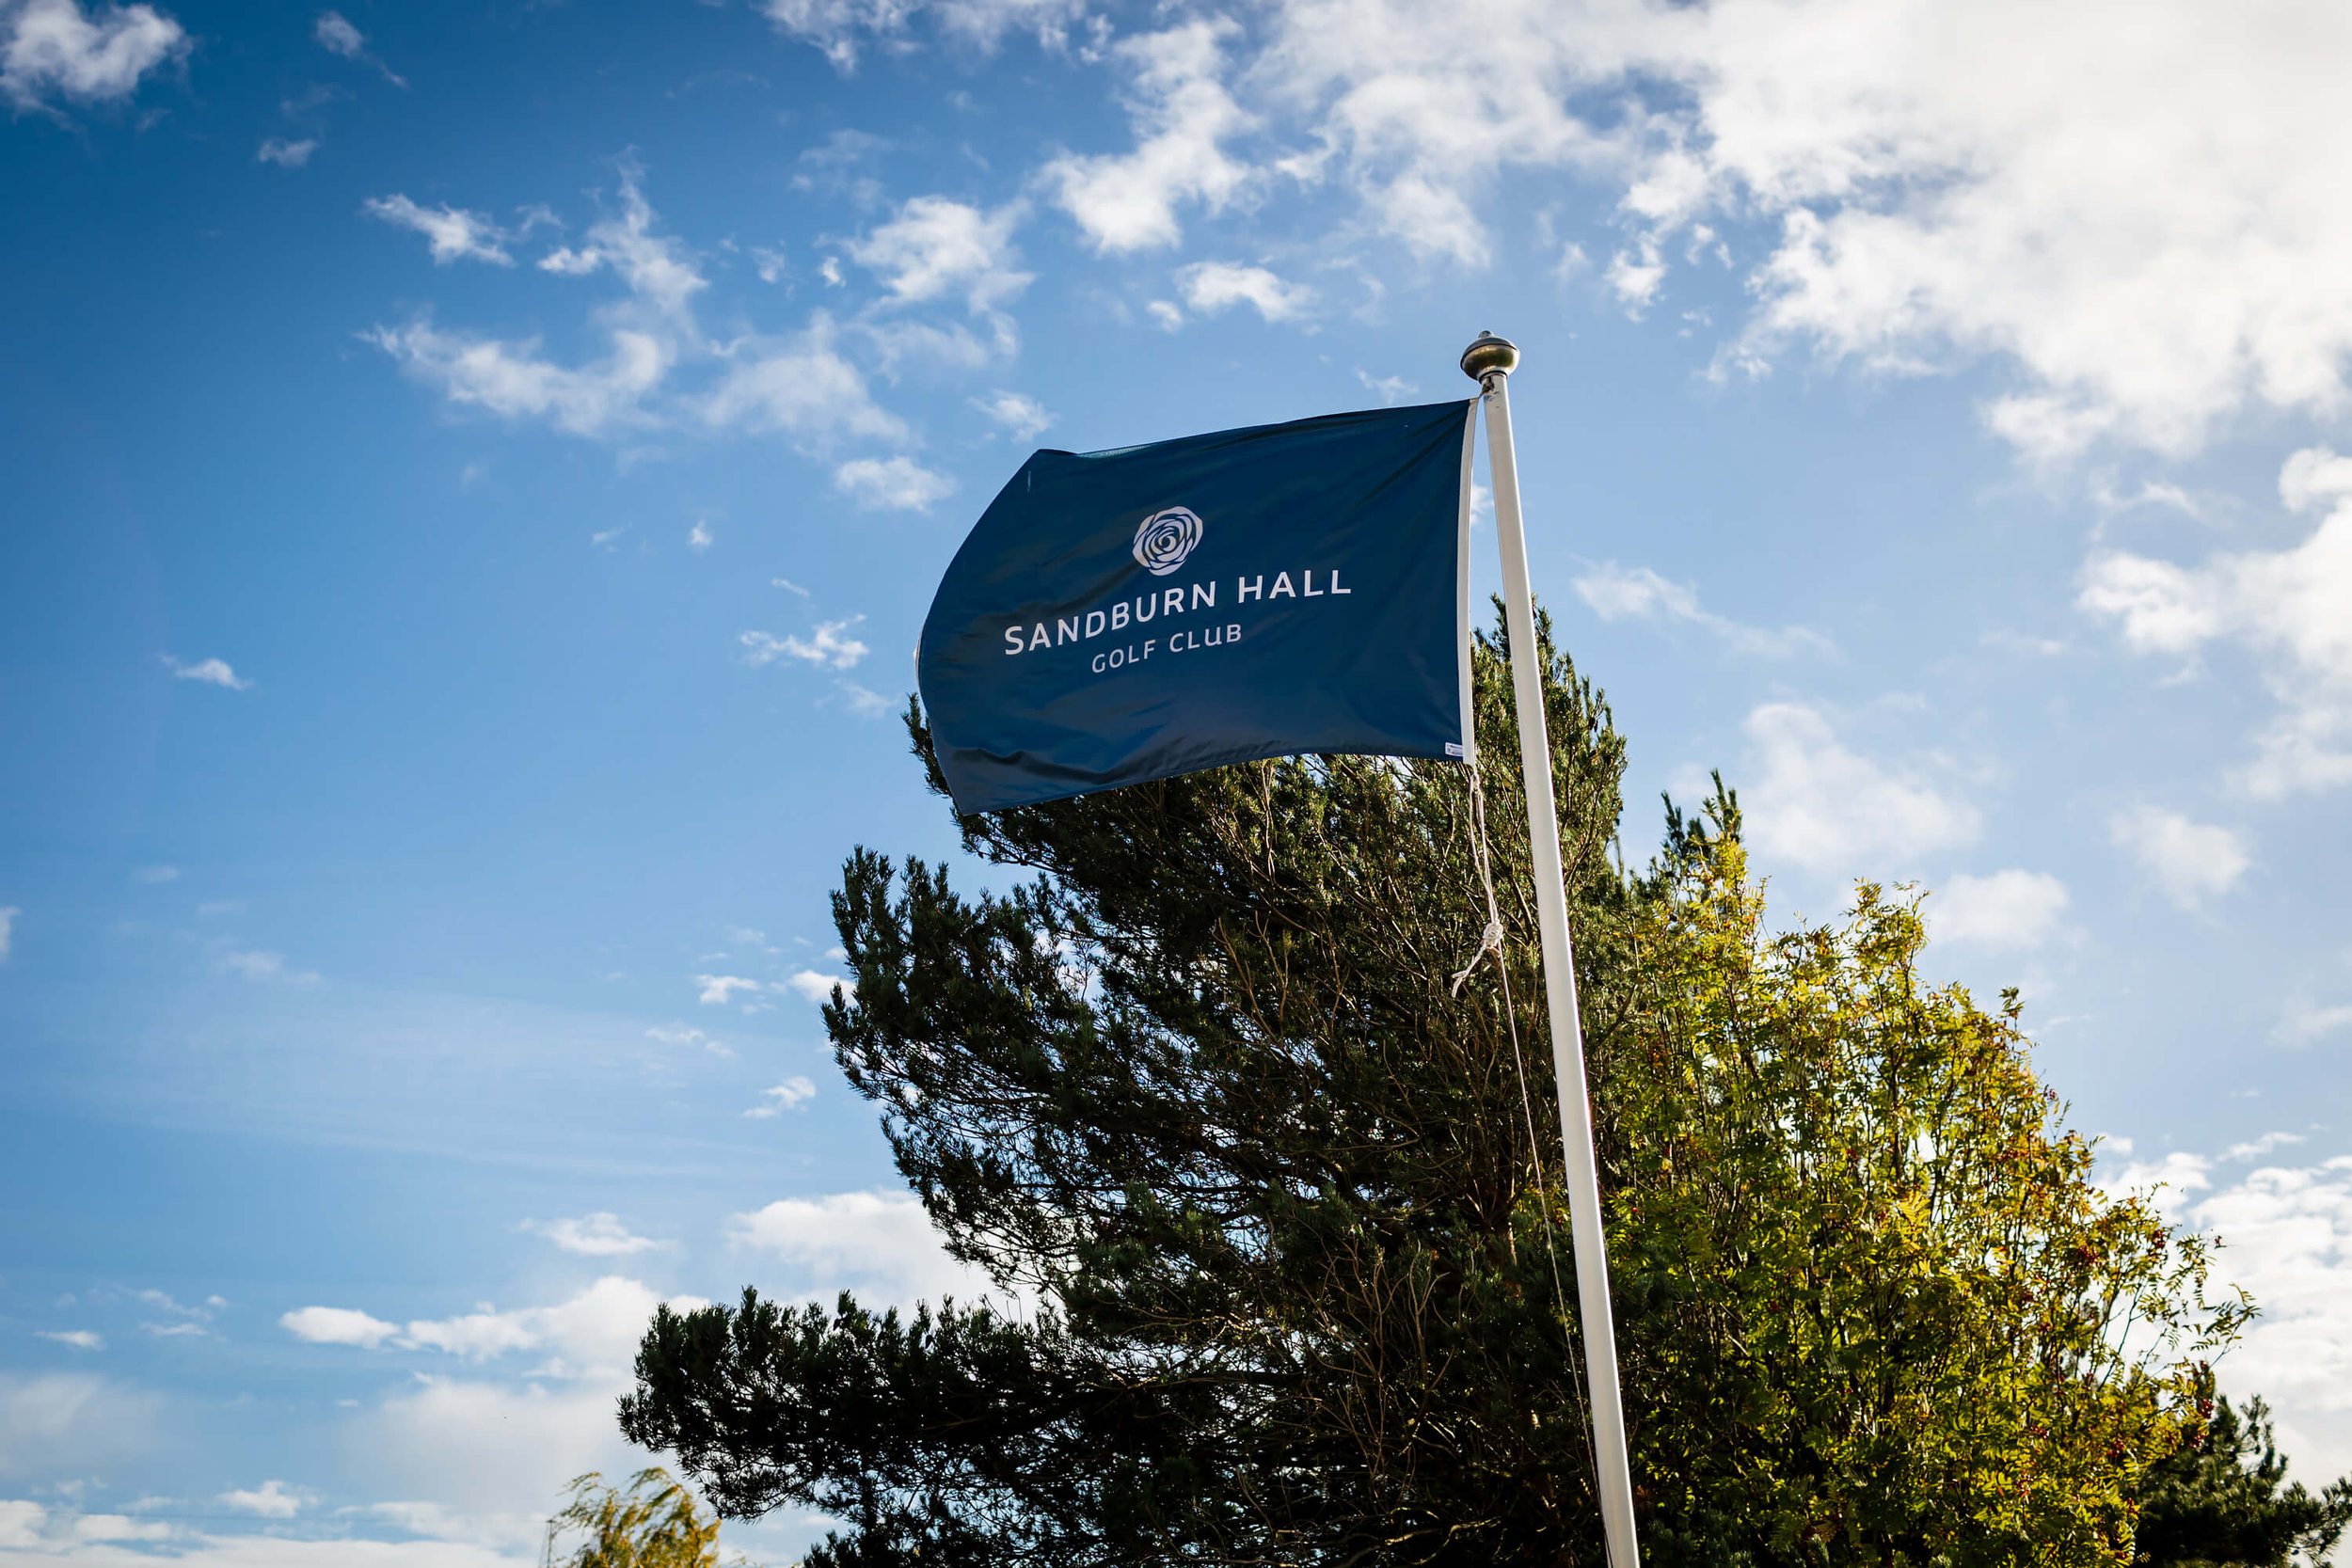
(2224, 1501)
(1197, 1091)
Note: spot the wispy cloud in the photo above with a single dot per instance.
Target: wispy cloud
(683, 1034)
(2010, 909)
(1822, 805)
(2304, 1021)
(211, 671)
(935, 247)
(1022, 417)
(719, 990)
(334, 34)
(271, 1500)
(891, 485)
(597, 1235)
(2191, 862)
(1616, 593)
(451, 233)
(287, 154)
(252, 963)
(1213, 287)
(830, 646)
(813, 986)
(2285, 605)
(1182, 115)
(790, 1094)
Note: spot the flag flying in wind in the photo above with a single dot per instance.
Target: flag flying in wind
(1126, 615)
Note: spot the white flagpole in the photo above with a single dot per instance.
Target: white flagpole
(1490, 361)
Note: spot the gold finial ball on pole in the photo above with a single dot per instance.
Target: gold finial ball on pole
(1489, 355)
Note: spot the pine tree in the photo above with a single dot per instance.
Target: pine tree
(2222, 1500)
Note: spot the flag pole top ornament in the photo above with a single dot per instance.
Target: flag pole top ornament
(1489, 355)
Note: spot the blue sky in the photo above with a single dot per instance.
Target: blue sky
(474, 475)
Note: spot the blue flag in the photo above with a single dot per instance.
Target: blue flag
(1126, 615)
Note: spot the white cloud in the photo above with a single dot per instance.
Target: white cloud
(53, 49)
(2011, 908)
(597, 1235)
(1927, 192)
(790, 1094)
(718, 989)
(2304, 1021)
(103, 1530)
(513, 380)
(2190, 861)
(657, 268)
(803, 389)
(1212, 287)
(566, 261)
(80, 1338)
(1022, 417)
(334, 34)
(1391, 390)
(833, 26)
(271, 1500)
(1635, 275)
(879, 1244)
(69, 1422)
(337, 1326)
(2286, 606)
(698, 537)
(811, 986)
(935, 246)
(451, 233)
(1182, 114)
(1616, 593)
(252, 963)
(152, 874)
(478, 1457)
(211, 671)
(7, 928)
(1825, 807)
(2254, 1148)
(831, 646)
(891, 483)
(337, 35)
(2287, 1236)
(864, 701)
(683, 1034)
(984, 23)
(287, 154)
(649, 332)
(594, 1335)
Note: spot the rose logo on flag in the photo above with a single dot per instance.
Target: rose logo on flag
(1165, 538)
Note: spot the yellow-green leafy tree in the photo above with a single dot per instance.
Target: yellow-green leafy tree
(650, 1521)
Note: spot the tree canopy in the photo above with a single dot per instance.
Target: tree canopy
(1275, 1218)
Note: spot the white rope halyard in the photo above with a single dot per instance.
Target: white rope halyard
(1490, 941)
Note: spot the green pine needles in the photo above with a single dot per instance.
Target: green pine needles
(1275, 1255)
